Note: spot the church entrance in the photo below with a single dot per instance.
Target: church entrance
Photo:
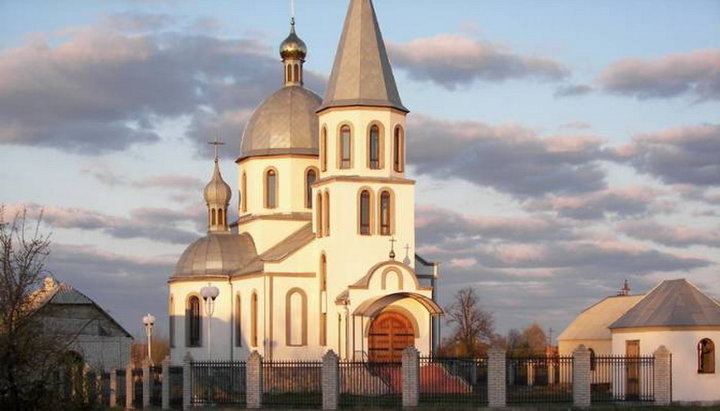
(390, 333)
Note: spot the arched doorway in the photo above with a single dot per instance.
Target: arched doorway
(390, 332)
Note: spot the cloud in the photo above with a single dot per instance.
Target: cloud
(695, 74)
(132, 21)
(95, 90)
(105, 175)
(154, 224)
(577, 125)
(624, 202)
(573, 90)
(453, 60)
(685, 155)
(674, 236)
(508, 158)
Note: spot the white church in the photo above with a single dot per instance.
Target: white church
(322, 255)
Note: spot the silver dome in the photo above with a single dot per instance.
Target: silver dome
(285, 123)
(216, 254)
(217, 191)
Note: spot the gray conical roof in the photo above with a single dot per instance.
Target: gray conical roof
(672, 303)
(361, 74)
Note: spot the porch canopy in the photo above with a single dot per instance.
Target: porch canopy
(373, 306)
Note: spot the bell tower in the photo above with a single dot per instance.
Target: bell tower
(362, 196)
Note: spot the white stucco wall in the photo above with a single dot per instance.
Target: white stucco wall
(687, 384)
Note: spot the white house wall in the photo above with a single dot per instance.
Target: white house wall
(687, 384)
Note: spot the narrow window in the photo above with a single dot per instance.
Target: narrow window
(309, 180)
(296, 317)
(365, 212)
(238, 322)
(319, 216)
(326, 214)
(323, 273)
(323, 329)
(243, 193)
(214, 216)
(193, 327)
(385, 213)
(171, 318)
(296, 73)
(345, 147)
(706, 356)
(254, 320)
(323, 150)
(221, 217)
(271, 189)
(374, 146)
(398, 150)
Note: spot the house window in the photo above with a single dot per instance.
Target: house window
(706, 356)
(345, 147)
(385, 213)
(374, 147)
(254, 320)
(310, 178)
(243, 193)
(271, 189)
(365, 212)
(398, 150)
(323, 150)
(296, 317)
(238, 322)
(193, 322)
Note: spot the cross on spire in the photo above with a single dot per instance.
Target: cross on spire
(216, 143)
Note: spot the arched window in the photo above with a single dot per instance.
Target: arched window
(398, 150)
(310, 178)
(385, 213)
(243, 193)
(254, 320)
(238, 322)
(706, 356)
(345, 147)
(374, 147)
(365, 212)
(271, 189)
(296, 317)
(323, 150)
(323, 287)
(221, 217)
(319, 215)
(171, 321)
(194, 322)
(296, 73)
(323, 273)
(214, 217)
(592, 359)
(326, 214)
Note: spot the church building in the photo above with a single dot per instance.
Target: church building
(322, 255)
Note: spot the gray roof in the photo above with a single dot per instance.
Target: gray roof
(289, 245)
(216, 254)
(361, 74)
(285, 123)
(593, 322)
(673, 303)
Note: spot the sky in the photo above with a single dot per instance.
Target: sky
(559, 147)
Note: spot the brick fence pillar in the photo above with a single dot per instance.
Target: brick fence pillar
(496, 378)
(410, 377)
(253, 379)
(146, 383)
(129, 387)
(581, 377)
(113, 387)
(166, 383)
(662, 376)
(330, 381)
(187, 380)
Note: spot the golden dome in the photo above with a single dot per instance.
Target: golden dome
(293, 47)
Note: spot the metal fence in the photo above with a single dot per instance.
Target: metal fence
(453, 380)
(292, 383)
(217, 383)
(618, 378)
(539, 379)
(176, 386)
(370, 384)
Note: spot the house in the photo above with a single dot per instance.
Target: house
(322, 255)
(93, 335)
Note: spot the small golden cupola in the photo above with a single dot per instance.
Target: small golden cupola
(217, 195)
(293, 52)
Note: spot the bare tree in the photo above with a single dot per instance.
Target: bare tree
(474, 328)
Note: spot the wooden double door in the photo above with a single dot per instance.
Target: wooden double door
(390, 333)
